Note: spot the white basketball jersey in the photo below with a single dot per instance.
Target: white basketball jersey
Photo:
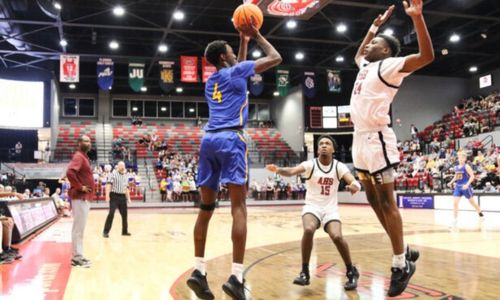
(374, 89)
(323, 181)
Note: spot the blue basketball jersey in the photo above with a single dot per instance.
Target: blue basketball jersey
(226, 95)
(462, 177)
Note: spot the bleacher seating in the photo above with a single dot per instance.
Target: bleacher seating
(270, 144)
(69, 131)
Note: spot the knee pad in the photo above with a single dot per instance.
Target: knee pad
(207, 207)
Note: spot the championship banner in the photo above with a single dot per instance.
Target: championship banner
(136, 76)
(282, 81)
(166, 76)
(334, 81)
(207, 69)
(189, 69)
(308, 85)
(256, 86)
(105, 73)
(69, 69)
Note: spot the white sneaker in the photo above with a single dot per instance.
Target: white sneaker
(454, 226)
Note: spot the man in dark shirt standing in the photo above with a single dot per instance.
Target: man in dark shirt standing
(79, 174)
(117, 192)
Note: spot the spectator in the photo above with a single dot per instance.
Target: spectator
(19, 150)
(163, 189)
(413, 131)
(488, 188)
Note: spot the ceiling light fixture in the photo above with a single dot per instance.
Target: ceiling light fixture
(163, 48)
(473, 69)
(454, 38)
(299, 56)
(57, 5)
(341, 28)
(72, 86)
(256, 54)
(339, 58)
(63, 43)
(179, 15)
(291, 24)
(276, 94)
(389, 31)
(118, 11)
(144, 89)
(179, 90)
(114, 45)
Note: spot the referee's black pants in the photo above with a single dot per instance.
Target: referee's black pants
(117, 201)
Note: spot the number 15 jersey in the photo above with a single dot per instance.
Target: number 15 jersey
(323, 181)
(226, 95)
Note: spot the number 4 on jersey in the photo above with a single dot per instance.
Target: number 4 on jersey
(217, 95)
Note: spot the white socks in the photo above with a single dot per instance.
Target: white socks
(399, 261)
(199, 264)
(237, 270)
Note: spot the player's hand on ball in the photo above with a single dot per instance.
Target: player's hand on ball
(249, 30)
(272, 168)
(381, 19)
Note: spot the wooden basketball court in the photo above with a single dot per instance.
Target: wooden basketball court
(156, 260)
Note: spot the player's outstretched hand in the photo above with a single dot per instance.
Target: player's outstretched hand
(381, 19)
(413, 8)
(272, 168)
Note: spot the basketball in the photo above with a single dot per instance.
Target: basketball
(242, 16)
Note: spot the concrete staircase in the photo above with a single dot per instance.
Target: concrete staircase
(146, 171)
(104, 139)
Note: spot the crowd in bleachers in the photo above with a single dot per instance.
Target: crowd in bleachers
(431, 172)
(177, 175)
(101, 174)
(275, 188)
(473, 116)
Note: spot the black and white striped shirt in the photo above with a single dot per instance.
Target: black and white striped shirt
(118, 181)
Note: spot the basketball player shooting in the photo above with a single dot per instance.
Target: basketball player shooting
(375, 152)
(223, 151)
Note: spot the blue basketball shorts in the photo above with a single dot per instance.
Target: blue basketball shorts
(459, 192)
(223, 159)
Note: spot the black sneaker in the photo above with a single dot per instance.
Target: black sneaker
(411, 254)
(352, 279)
(234, 288)
(105, 235)
(127, 234)
(400, 278)
(5, 258)
(302, 279)
(80, 263)
(198, 283)
(13, 254)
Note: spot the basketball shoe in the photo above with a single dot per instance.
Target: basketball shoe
(234, 288)
(400, 278)
(198, 283)
(302, 279)
(352, 279)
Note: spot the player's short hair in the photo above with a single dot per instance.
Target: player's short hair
(393, 44)
(214, 50)
(325, 136)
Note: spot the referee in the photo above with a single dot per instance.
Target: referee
(117, 192)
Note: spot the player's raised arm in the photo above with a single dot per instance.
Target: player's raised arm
(287, 172)
(425, 55)
(243, 50)
(272, 58)
(379, 21)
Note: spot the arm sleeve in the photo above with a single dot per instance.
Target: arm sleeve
(308, 165)
(73, 167)
(343, 169)
(391, 70)
(243, 69)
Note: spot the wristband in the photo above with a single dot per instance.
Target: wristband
(356, 183)
(373, 29)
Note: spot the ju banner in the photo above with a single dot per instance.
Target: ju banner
(136, 75)
(105, 73)
(189, 69)
(334, 81)
(282, 81)
(166, 76)
(256, 84)
(309, 85)
(69, 68)
(207, 69)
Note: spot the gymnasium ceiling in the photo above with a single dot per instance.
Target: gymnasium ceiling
(89, 26)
